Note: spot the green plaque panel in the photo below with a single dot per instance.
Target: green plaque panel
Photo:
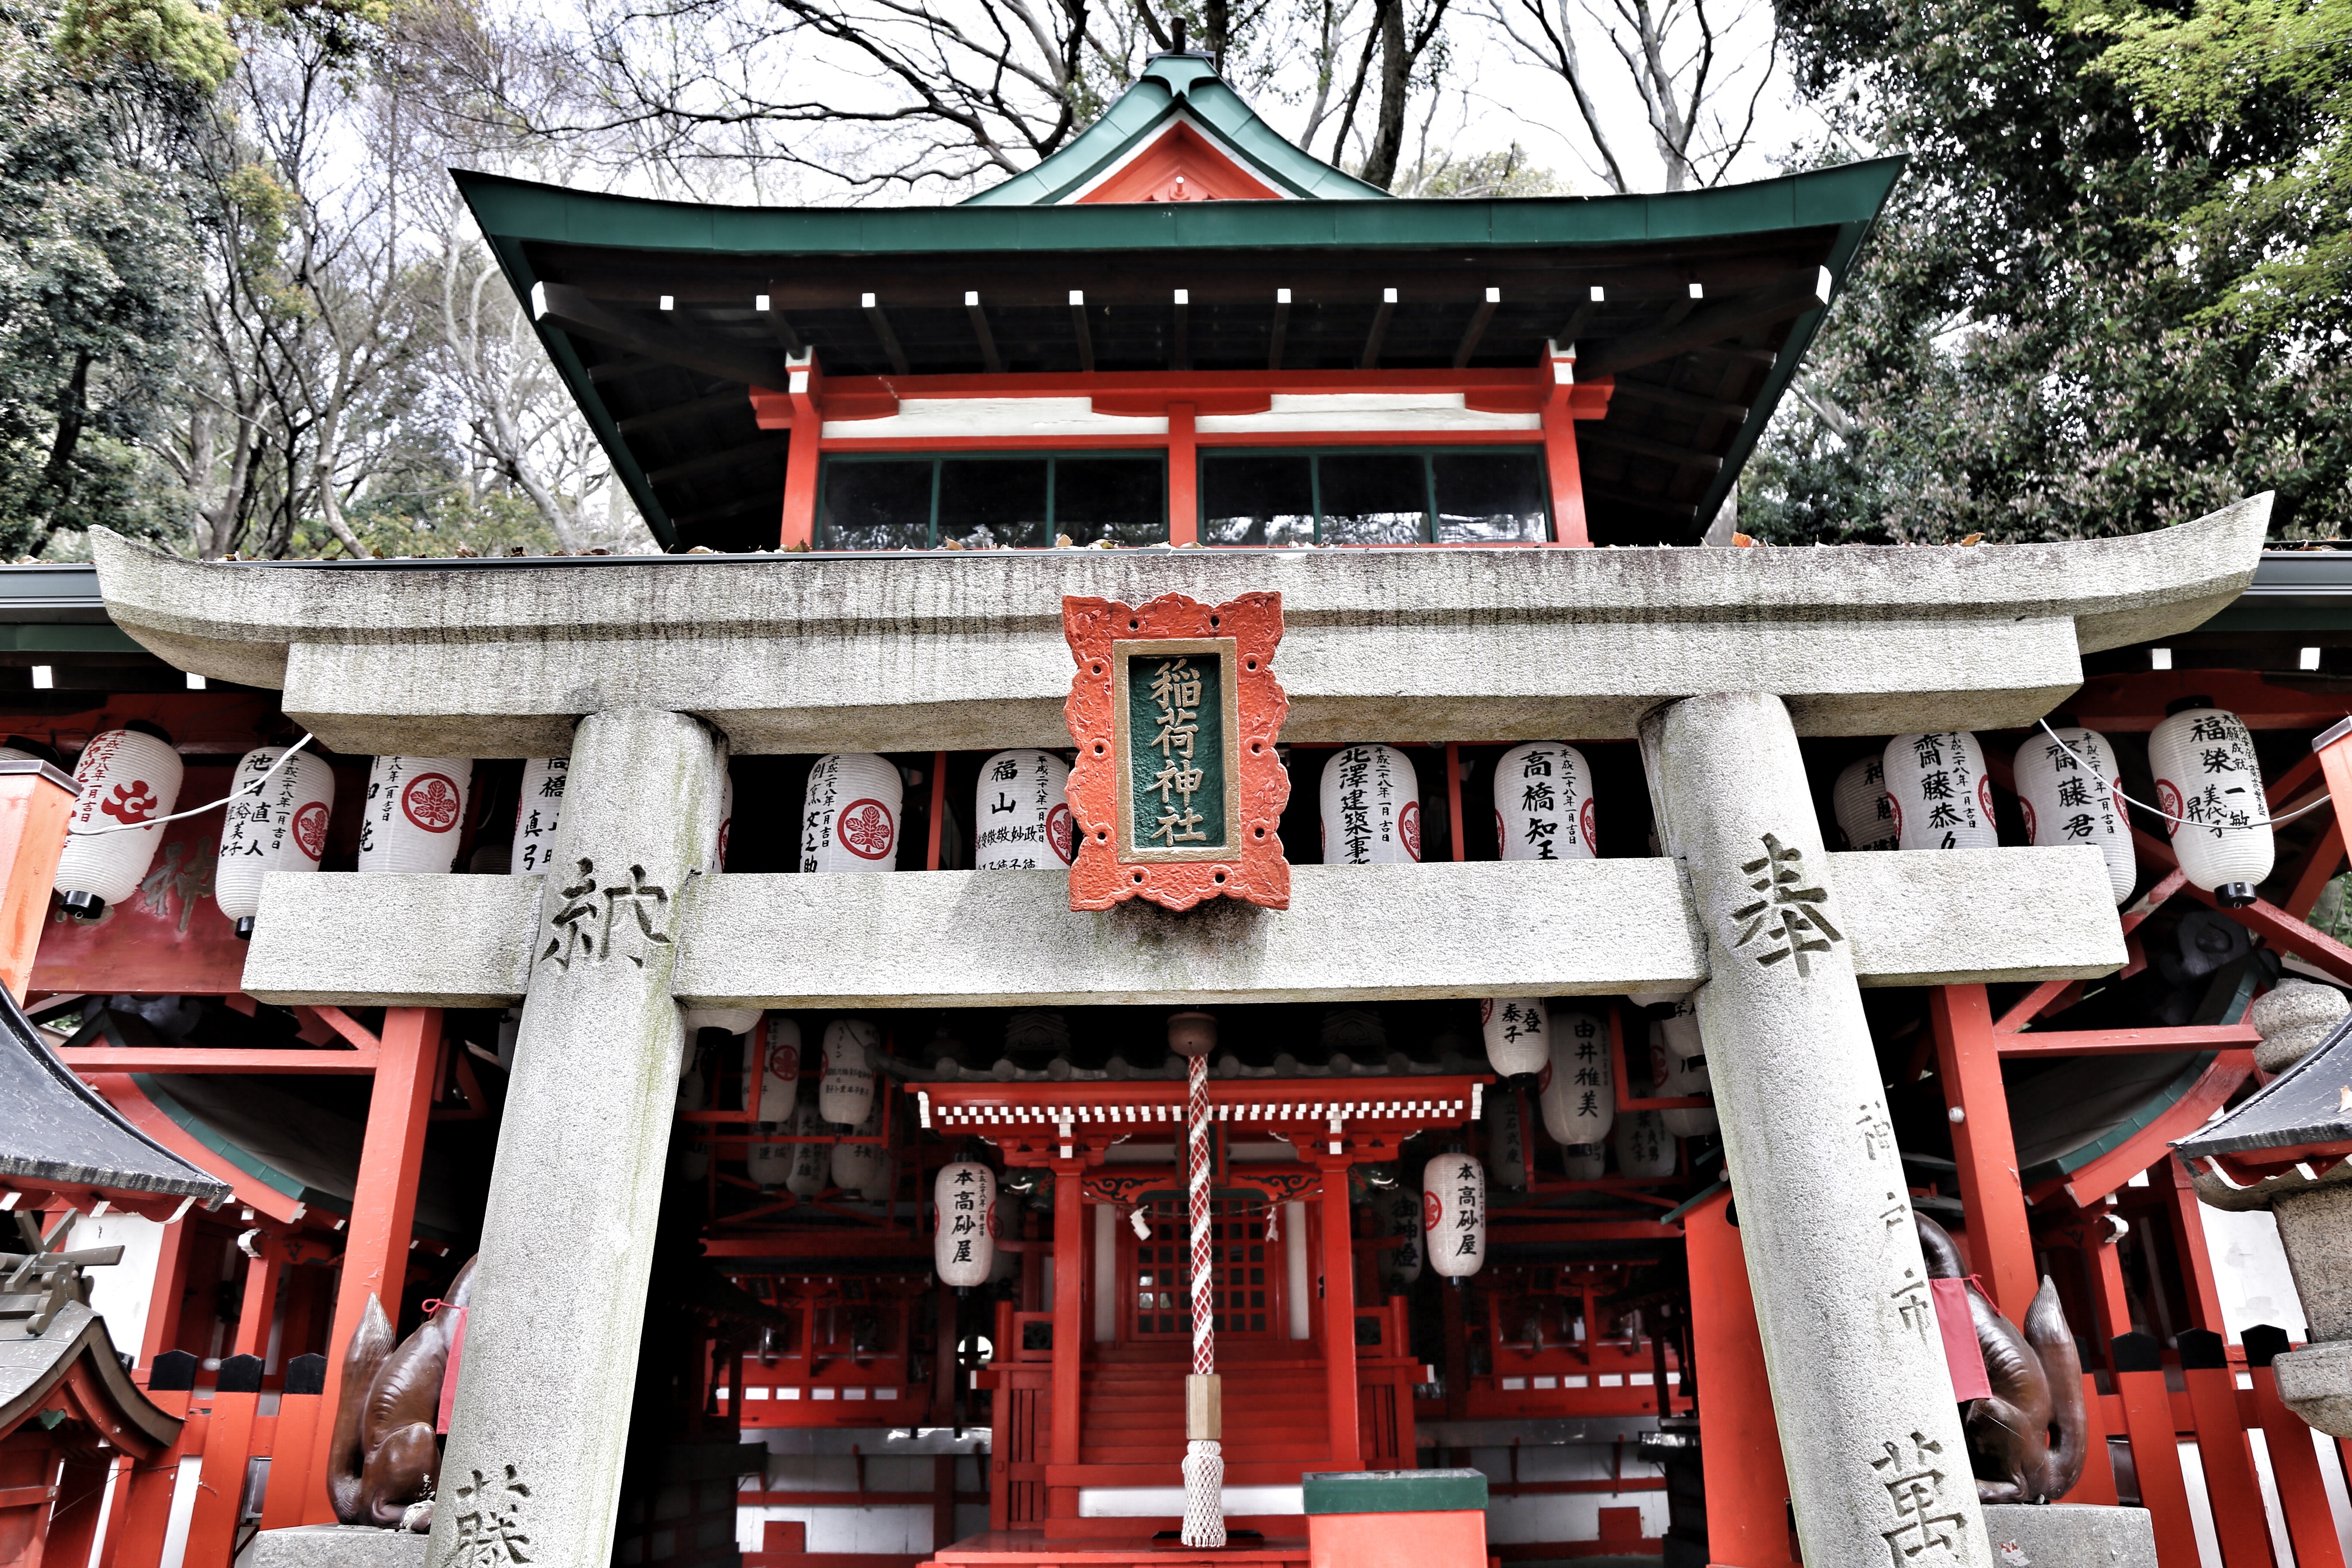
(1176, 729)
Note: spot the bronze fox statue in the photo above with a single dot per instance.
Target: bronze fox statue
(384, 1457)
(2026, 1443)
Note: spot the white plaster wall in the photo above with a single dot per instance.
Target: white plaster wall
(2249, 1272)
(892, 1528)
(121, 1293)
(1574, 1516)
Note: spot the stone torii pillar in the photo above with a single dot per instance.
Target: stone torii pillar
(1877, 1463)
(533, 1473)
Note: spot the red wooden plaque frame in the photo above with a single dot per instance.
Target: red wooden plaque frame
(1104, 874)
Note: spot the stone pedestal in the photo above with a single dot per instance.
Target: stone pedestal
(1878, 1468)
(533, 1467)
(335, 1546)
(2070, 1535)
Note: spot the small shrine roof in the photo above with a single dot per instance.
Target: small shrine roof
(1177, 94)
(55, 1130)
(2306, 1109)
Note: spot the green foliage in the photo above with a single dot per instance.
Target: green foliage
(418, 515)
(96, 270)
(175, 38)
(2055, 332)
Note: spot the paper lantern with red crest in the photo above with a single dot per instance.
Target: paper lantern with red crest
(1940, 795)
(125, 777)
(1371, 808)
(850, 816)
(414, 813)
(771, 1071)
(282, 826)
(1020, 814)
(963, 1244)
(1543, 803)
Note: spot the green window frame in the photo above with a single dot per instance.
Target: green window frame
(1318, 456)
(833, 462)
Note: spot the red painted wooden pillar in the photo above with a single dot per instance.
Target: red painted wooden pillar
(1967, 1060)
(134, 1535)
(163, 1329)
(2156, 1450)
(1747, 1484)
(73, 1517)
(2224, 1453)
(34, 805)
(1340, 1317)
(2189, 1241)
(2334, 749)
(383, 1209)
(1184, 476)
(2294, 1464)
(1069, 1325)
(803, 393)
(2097, 1483)
(228, 1444)
(259, 1304)
(1567, 470)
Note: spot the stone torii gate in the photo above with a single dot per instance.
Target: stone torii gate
(648, 672)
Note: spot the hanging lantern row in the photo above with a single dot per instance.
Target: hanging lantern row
(851, 813)
(415, 808)
(1577, 1091)
(2208, 789)
(1517, 1034)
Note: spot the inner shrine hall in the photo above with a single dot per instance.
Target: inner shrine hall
(1207, 908)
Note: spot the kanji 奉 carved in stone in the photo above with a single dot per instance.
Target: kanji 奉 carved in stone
(385, 1458)
(2026, 1443)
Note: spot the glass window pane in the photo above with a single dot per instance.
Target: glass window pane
(877, 506)
(1246, 499)
(1490, 497)
(1109, 498)
(1374, 497)
(993, 500)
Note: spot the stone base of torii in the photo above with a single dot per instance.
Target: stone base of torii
(1746, 908)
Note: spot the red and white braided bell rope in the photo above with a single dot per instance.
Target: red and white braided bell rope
(1204, 1463)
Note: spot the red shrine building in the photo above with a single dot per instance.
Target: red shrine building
(1184, 344)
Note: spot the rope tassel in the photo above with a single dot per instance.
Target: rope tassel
(1205, 1461)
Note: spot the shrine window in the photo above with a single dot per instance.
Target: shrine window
(1366, 495)
(985, 500)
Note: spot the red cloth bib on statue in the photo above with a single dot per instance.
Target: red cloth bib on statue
(1961, 1352)
(457, 1352)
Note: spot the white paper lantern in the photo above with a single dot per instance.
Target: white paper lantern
(415, 813)
(1543, 803)
(1587, 1163)
(1678, 1067)
(734, 1020)
(963, 1245)
(771, 1071)
(537, 810)
(1865, 816)
(1577, 1091)
(124, 777)
(863, 1168)
(850, 818)
(1021, 813)
(1645, 1148)
(1506, 1138)
(844, 1086)
(2066, 801)
(1517, 1033)
(2206, 772)
(768, 1164)
(1940, 795)
(1454, 1215)
(1371, 808)
(812, 1166)
(283, 827)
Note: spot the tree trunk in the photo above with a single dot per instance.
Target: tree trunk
(1396, 72)
(73, 411)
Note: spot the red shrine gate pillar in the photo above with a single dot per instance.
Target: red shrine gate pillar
(35, 802)
(1069, 1325)
(1339, 1315)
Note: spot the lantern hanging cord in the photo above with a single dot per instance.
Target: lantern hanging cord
(2158, 810)
(255, 787)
